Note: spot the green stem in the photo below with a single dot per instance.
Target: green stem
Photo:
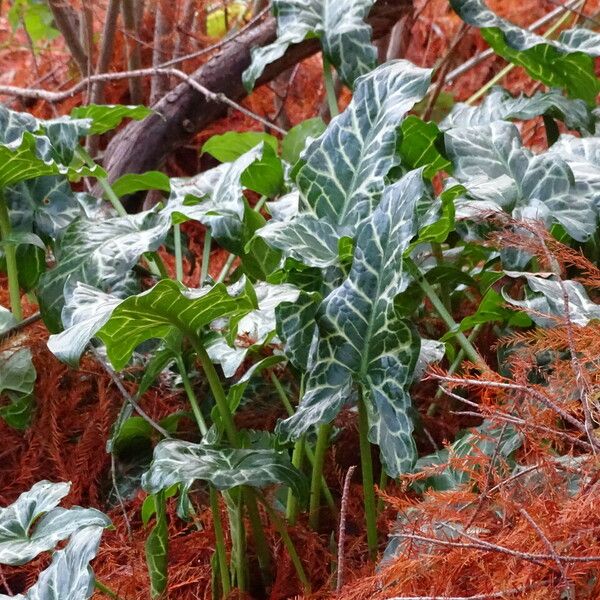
(178, 252)
(239, 542)
(468, 348)
(291, 508)
(383, 480)
(202, 426)
(10, 252)
(309, 453)
(101, 587)
(225, 270)
(317, 474)
(217, 390)
(287, 542)
(263, 551)
(330, 88)
(84, 157)
(260, 540)
(219, 542)
(205, 257)
(367, 478)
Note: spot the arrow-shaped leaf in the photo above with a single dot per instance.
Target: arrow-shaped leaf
(564, 63)
(339, 24)
(34, 523)
(361, 338)
(177, 461)
(69, 576)
(168, 308)
(499, 104)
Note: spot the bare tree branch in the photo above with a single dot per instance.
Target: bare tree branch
(134, 59)
(65, 19)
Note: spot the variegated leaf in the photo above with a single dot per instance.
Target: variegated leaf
(215, 198)
(166, 309)
(31, 147)
(566, 62)
(98, 253)
(177, 461)
(306, 238)
(494, 166)
(87, 309)
(44, 204)
(297, 328)
(339, 24)
(69, 576)
(253, 329)
(549, 300)
(362, 340)
(499, 104)
(34, 523)
(344, 170)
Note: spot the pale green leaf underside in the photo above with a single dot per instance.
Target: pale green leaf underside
(340, 26)
(69, 576)
(177, 461)
(34, 523)
(167, 308)
(361, 339)
(86, 311)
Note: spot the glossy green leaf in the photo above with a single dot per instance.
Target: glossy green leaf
(130, 183)
(34, 523)
(296, 327)
(17, 380)
(344, 172)
(499, 104)
(46, 205)
(31, 147)
(98, 253)
(215, 198)
(168, 308)
(177, 461)
(420, 146)
(69, 576)
(105, 117)
(566, 62)
(340, 26)
(361, 338)
(296, 138)
(229, 146)
(306, 238)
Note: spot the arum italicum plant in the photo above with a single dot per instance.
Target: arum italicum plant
(326, 287)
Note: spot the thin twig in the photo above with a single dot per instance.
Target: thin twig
(478, 544)
(34, 318)
(584, 386)
(106, 51)
(442, 72)
(49, 96)
(530, 390)
(341, 555)
(488, 596)
(547, 543)
(159, 84)
(117, 381)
